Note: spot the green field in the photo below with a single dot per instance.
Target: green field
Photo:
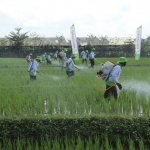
(53, 94)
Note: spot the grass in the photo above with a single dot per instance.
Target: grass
(54, 94)
(70, 144)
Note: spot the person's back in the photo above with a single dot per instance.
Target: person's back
(112, 79)
(48, 57)
(55, 55)
(64, 56)
(69, 63)
(43, 57)
(33, 66)
(83, 55)
(115, 74)
(91, 57)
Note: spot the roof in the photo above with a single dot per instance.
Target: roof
(120, 40)
(62, 41)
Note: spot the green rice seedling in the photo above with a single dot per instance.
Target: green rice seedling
(141, 145)
(72, 105)
(49, 104)
(140, 107)
(51, 80)
(40, 104)
(56, 144)
(134, 105)
(119, 145)
(47, 143)
(107, 144)
(145, 106)
(62, 106)
(57, 105)
(7, 145)
(78, 103)
(80, 144)
(131, 144)
(19, 144)
(96, 108)
(114, 109)
(96, 144)
(102, 103)
(30, 144)
(89, 144)
(37, 146)
(149, 106)
(125, 104)
(107, 108)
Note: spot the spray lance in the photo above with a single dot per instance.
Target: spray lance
(98, 61)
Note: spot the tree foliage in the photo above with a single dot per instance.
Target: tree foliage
(17, 38)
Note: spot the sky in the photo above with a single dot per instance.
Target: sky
(51, 18)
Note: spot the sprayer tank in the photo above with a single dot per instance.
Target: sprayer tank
(107, 67)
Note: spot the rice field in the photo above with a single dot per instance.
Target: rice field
(55, 95)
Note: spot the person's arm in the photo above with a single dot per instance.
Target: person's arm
(115, 76)
(29, 67)
(76, 67)
(36, 67)
(73, 64)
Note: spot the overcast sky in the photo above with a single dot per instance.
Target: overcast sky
(51, 18)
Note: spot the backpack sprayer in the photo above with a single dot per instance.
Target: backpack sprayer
(106, 70)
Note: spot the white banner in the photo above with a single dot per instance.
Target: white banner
(138, 43)
(73, 40)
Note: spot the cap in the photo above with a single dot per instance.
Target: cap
(38, 58)
(122, 60)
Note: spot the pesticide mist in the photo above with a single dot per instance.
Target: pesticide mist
(140, 87)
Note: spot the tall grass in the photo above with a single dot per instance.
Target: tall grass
(54, 94)
(69, 144)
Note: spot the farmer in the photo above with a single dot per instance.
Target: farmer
(112, 79)
(84, 57)
(87, 54)
(81, 53)
(43, 57)
(69, 64)
(60, 54)
(32, 68)
(48, 58)
(91, 58)
(29, 58)
(55, 55)
(64, 58)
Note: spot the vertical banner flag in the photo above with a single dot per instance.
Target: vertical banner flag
(74, 42)
(138, 43)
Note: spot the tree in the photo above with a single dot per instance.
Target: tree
(3, 42)
(92, 39)
(17, 39)
(128, 47)
(35, 39)
(145, 46)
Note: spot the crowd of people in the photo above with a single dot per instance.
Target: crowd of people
(68, 63)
